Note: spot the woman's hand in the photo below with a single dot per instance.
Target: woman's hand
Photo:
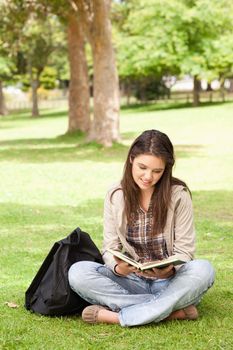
(165, 272)
(122, 268)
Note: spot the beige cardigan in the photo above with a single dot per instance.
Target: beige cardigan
(179, 229)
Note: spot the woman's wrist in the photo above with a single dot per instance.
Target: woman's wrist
(173, 271)
(115, 271)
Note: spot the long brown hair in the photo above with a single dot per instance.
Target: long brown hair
(152, 142)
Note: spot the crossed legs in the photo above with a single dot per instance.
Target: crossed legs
(133, 300)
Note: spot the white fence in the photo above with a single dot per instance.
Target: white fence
(45, 104)
(178, 96)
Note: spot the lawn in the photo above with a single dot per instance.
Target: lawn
(52, 183)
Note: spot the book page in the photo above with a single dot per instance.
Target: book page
(161, 263)
(147, 265)
(124, 258)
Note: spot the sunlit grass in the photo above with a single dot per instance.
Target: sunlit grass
(52, 182)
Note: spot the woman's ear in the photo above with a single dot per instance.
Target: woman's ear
(130, 160)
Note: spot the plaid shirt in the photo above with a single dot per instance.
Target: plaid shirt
(140, 235)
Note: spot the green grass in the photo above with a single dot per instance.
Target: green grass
(52, 183)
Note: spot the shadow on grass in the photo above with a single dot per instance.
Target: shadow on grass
(161, 105)
(213, 205)
(26, 114)
(214, 226)
(17, 114)
(54, 113)
(73, 147)
(211, 208)
(45, 151)
(36, 225)
(29, 231)
(133, 108)
(47, 221)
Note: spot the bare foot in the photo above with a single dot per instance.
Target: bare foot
(188, 313)
(99, 314)
(107, 316)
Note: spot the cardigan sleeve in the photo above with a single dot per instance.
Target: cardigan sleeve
(184, 232)
(111, 238)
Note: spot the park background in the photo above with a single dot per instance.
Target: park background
(93, 77)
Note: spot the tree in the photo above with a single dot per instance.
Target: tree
(79, 90)
(31, 34)
(171, 36)
(95, 15)
(145, 45)
(6, 69)
(9, 31)
(204, 23)
(89, 19)
(79, 94)
(220, 58)
(39, 40)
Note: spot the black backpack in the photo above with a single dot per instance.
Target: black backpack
(49, 292)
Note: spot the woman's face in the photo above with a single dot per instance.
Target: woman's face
(146, 171)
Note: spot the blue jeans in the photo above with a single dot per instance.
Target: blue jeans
(139, 300)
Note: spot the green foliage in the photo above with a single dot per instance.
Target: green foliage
(205, 23)
(7, 68)
(39, 40)
(151, 39)
(7, 48)
(30, 35)
(48, 78)
(220, 57)
(173, 37)
(59, 62)
(148, 88)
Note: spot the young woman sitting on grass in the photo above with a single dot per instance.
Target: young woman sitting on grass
(149, 216)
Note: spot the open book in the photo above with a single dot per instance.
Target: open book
(147, 265)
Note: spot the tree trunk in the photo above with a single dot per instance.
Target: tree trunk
(210, 96)
(222, 89)
(35, 108)
(209, 88)
(231, 85)
(79, 94)
(3, 110)
(196, 90)
(34, 82)
(128, 92)
(105, 127)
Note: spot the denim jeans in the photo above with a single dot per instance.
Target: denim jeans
(139, 300)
